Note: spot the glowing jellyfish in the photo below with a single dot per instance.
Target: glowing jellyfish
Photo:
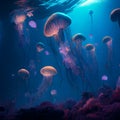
(48, 72)
(104, 77)
(115, 15)
(24, 74)
(32, 24)
(18, 17)
(40, 46)
(78, 39)
(55, 25)
(53, 92)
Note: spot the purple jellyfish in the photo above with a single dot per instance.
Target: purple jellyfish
(55, 25)
(115, 15)
(32, 24)
(48, 72)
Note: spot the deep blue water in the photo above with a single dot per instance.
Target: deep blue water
(19, 51)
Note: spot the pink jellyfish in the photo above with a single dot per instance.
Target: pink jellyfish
(55, 25)
(32, 24)
(18, 18)
(115, 15)
(24, 75)
(78, 39)
(48, 72)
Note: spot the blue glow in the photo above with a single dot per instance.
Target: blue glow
(89, 2)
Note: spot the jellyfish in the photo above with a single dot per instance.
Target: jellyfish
(24, 75)
(40, 46)
(48, 72)
(78, 39)
(115, 15)
(18, 17)
(55, 25)
(108, 41)
(91, 49)
(104, 78)
(93, 64)
(91, 28)
(32, 24)
(53, 93)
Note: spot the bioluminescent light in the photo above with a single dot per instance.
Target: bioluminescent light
(47, 52)
(32, 24)
(104, 77)
(53, 92)
(89, 2)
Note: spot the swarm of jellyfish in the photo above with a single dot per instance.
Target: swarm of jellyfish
(48, 72)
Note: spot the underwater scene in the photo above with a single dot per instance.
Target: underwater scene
(62, 56)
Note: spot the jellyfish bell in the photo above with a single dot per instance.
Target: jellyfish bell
(40, 46)
(107, 40)
(104, 77)
(53, 92)
(55, 25)
(91, 12)
(78, 39)
(115, 15)
(18, 17)
(48, 71)
(23, 73)
(32, 24)
(90, 47)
